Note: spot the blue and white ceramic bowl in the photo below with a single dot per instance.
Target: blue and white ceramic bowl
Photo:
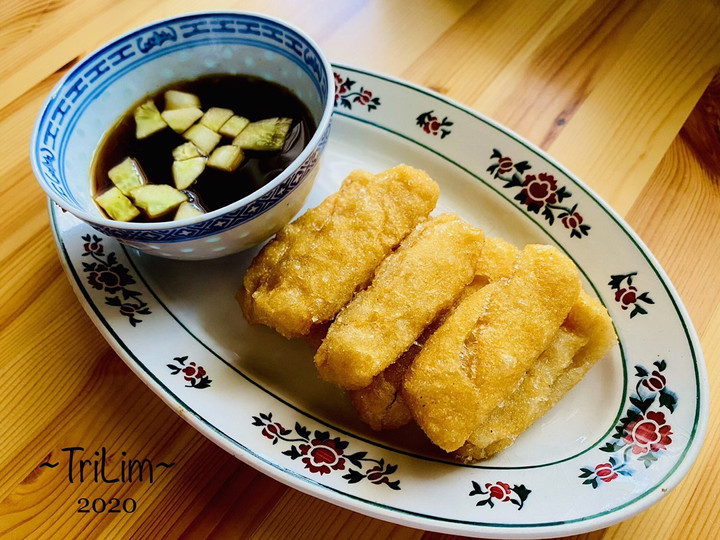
(103, 86)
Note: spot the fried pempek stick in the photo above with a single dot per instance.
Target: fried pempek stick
(315, 265)
(585, 337)
(483, 350)
(381, 405)
(411, 287)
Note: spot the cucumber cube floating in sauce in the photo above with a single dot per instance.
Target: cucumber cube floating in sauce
(234, 126)
(186, 210)
(127, 175)
(227, 158)
(267, 134)
(215, 117)
(117, 205)
(148, 120)
(203, 137)
(186, 151)
(181, 119)
(185, 172)
(175, 99)
(157, 199)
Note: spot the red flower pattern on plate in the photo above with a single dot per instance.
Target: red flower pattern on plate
(505, 165)
(433, 125)
(539, 193)
(322, 454)
(340, 88)
(195, 375)
(500, 492)
(274, 432)
(193, 372)
(655, 382)
(626, 294)
(345, 96)
(649, 433)
(539, 190)
(105, 273)
(643, 433)
(93, 245)
(378, 474)
(572, 221)
(605, 472)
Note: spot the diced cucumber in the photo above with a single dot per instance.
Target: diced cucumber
(228, 158)
(215, 117)
(181, 119)
(185, 172)
(157, 199)
(117, 205)
(147, 119)
(267, 134)
(186, 151)
(175, 99)
(127, 175)
(234, 126)
(203, 137)
(186, 210)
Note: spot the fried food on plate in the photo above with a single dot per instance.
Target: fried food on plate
(381, 404)
(315, 265)
(586, 336)
(485, 347)
(410, 288)
(527, 403)
(588, 318)
(497, 261)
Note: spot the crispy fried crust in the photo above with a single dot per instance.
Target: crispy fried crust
(527, 403)
(586, 336)
(498, 259)
(411, 287)
(381, 404)
(479, 356)
(314, 265)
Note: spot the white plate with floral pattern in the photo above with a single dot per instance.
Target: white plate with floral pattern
(613, 446)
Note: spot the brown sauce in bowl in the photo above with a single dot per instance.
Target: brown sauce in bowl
(245, 95)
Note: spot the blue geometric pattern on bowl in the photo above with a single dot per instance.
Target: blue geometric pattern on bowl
(128, 53)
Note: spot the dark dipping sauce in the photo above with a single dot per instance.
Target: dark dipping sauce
(245, 95)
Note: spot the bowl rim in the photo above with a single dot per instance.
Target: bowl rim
(107, 223)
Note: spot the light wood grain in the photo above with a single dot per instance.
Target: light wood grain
(619, 92)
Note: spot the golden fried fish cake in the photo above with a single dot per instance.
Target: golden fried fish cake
(440, 394)
(586, 336)
(497, 260)
(527, 403)
(410, 288)
(589, 318)
(381, 405)
(314, 265)
(491, 340)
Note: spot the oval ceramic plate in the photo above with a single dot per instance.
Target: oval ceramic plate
(612, 447)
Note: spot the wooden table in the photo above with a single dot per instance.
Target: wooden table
(622, 93)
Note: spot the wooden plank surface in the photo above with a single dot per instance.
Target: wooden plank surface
(619, 92)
